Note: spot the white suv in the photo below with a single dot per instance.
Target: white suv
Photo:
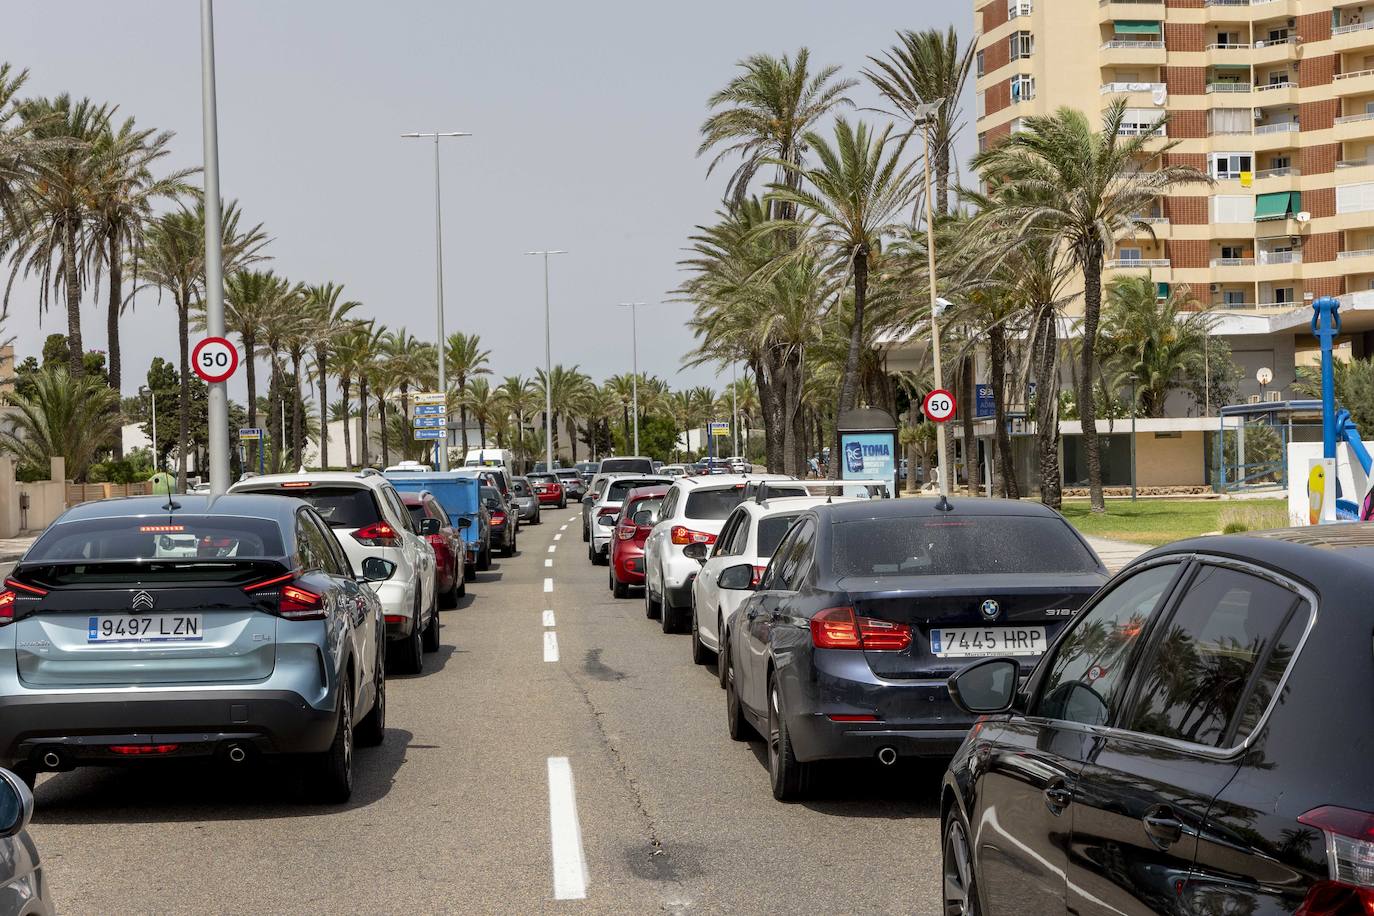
(602, 512)
(692, 513)
(750, 535)
(369, 519)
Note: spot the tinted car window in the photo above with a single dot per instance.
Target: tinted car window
(1195, 679)
(646, 504)
(771, 530)
(1088, 669)
(340, 507)
(417, 514)
(182, 537)
(435, 510)
(633, 465)
(622, 485)
(314, 550)
(490, 493)
(970, 546)
(796, 562)
(713, 504)
(521, 488)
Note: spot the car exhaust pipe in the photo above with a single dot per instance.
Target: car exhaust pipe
(52, 760)
(887, 756)
(237, 754)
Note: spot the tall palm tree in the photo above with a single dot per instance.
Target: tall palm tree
(61, 416)
(59, 206)
(763, 114)
(328, 322)
(1152, 343)
(19, 148)
(464, 358)
(251, 298)
(364, 351)
(341, 411)
(126, 190)
(351, 352)
(479, 398)
(923, 68)
(519, 398)
(850, 201)
(1084, 189)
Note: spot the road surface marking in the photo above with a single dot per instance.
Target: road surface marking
(548, 585)
(550, 646)
(565, 834)
(558, 537)
(548, 562)
(553, 548)
(564, 528)
(548, 618)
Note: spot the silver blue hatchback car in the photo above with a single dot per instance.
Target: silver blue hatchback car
(191, 626)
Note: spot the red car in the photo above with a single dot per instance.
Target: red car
(549, 490)
(637, 516)
(449, 554)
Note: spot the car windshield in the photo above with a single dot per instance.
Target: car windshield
(970, 546)
(340, 507)
(182, 537)
(490, 494)
(771, 530)
(622, 485)
(612, 465)
(714, 504)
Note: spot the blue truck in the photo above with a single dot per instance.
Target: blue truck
(458, 494)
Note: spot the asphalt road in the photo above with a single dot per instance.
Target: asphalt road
(647, 805)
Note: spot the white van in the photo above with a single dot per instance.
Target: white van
(491, 458)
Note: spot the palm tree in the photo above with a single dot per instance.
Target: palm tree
(350, 351)
(328, 322)
(479, 398)
(1083, 189)
(125, 192)
(852, 199)
(251, 297)
(763, 115)
(520, 398)
(62, 416)
(18, 146)
(925, 68)
(282, 338)
(464, 358)
(1151, 343)
(363, 346)
(341, 411)
(53, 239)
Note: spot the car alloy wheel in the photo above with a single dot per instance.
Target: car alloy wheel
(959, 887)
(737, 726)
(786, 772)
(335, 784)
(372, 730)
(721, 668)
(700, 654)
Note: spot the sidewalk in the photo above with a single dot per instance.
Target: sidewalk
(12, 549)
(1116, 554)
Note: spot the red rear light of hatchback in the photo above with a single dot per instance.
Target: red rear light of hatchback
(626, 532)
(681, 534)
(839, 628)
(378, 534)
(498, 517)
(11, 594)
(295, 602)
(1349, 861)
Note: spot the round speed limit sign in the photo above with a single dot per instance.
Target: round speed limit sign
(938, 406)
(214, 359)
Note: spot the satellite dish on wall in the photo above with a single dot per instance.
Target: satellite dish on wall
(1264, 375)
(1304, 217)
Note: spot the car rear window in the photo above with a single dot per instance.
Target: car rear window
(622, 485)
(643, 504)
(417, 514)
(633, 465)
(339, 506)
(771, 530)
(179, 537)
(979, 545)
(714, 504)
(543, 478)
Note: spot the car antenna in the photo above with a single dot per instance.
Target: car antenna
(172, 504)
(943, 505)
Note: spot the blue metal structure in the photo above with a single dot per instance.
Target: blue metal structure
(1337, 424)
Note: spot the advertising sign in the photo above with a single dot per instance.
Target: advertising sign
(983, 406)
(869, 456)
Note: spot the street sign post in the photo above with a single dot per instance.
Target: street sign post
(938, 406)
(429, 422)
(429, 433)
(428, 397)
(429, 410)
(247, 433)
(215, 359)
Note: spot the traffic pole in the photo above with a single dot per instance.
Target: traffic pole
(218, 414)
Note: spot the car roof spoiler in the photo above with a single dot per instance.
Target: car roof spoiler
(875, 487)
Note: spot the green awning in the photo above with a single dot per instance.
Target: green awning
(1161, 290)
(1277, 205)
(1136, 27)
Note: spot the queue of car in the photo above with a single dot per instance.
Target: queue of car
(1188, 736)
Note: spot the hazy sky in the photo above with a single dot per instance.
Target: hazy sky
(585, 118)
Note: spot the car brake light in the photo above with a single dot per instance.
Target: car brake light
(139, 750)
(626, 532)
(757, 576)
(31, 589)
(1349, 862)
(498, 518)
(11, 594)
(852, 718)
(681, 534)
(608, 510)
(378, 534)
(437, 540)
(299, 604)
(295, 484)
(838, 628)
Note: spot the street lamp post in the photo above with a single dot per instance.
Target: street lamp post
(634, 357)
(925, 115)
(157, 465)
(439, 276)
(218, 395)
(548, 363)
(734, 411)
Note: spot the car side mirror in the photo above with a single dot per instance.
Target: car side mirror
(428, 526)
(465, 522)
(985, 687)
(607, 521)
(739, 578)
(645, 517)
(493, 504)
(16, 804)
(375, 569)
(696, 552)
(587, 500)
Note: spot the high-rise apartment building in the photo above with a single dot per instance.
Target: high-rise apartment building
(1274, 99)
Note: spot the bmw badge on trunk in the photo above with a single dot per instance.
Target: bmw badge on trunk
(990, 609)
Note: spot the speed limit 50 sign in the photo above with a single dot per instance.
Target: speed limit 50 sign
(215, 359)
(938, 405)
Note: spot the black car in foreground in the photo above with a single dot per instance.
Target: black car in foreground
(866, 608)
(1197, 741)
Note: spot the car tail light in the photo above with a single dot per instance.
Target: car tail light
(498, 517)
(10, 595)
(378, 534)
(607, 510)
(681, 534)
(142, 750)
(757, 576)
(838, 628)
(1349, 861)
(396, 618)
(295, 602)
(626, 532)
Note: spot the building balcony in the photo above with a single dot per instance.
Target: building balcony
(1111, 10)
(1273, 306)
(1276, 93)
(1287, 171)
(1267, 258)
(1356, 262)
(1228, 88)
(1127, 88)
(1353, 36)
(1356, 82)
(1233, 262)
(1136, 263)
(1124, 53)
(1353, 127)
(1273, 52)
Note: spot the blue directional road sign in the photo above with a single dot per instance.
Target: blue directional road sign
(429, 410)
(430, 422)
(429, 434)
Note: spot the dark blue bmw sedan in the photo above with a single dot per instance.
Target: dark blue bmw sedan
(865, 610)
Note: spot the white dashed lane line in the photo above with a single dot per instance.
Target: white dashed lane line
(565, 833)
(548, 585)
(553, 548)
(548, 562)
(558, 537)
(548, 619)
(550, 646)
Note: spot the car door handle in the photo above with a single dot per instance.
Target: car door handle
(1164, 829)
(1057, 797)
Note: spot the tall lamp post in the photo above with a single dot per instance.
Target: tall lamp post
(439, 275)
(548, 363)
(143, 389)
(634, 357)
(218, 395)
(925, 117)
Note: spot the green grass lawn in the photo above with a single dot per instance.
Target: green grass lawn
(1159, 521)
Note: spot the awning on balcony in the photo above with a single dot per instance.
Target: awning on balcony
(1136, 27)
(1279, 205)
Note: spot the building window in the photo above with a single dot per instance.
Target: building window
(982, 143)
(1355, 198)
(1017, 125)
(1137, 121)
(1022, 45)
(978, 62)
(1230, 121)
(980, 104)
(1280, 162)
(1278, 78)
(1233, 297)
(1283, 295)
(1233, 208)
(1019, 8)
(1230, 165)
(1232, 252)
(1022, 88)
(1128, 254)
